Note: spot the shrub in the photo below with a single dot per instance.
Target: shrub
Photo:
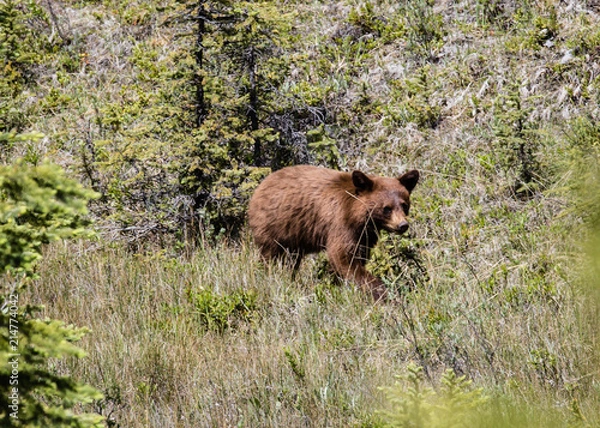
(221, 312)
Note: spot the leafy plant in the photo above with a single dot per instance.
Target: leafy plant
(491, 12)
(399, 262)
(38, 205)
(413, 404)
(221, 312)
(237, 65)
(424, 28)
(296, 362)
(416, 103)
(584, 187)
(369, 22)
(21, 48)
(537, 24)
(324, 148)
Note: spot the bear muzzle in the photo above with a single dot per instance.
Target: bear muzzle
(402, 227)
(398, 228)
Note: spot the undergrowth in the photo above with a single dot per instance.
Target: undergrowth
(214, 338)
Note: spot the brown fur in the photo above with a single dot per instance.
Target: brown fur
(305, 209)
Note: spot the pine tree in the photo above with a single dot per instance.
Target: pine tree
(239, 65)
(38, 205)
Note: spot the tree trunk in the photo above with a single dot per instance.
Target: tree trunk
(199, 74)
(253, 108)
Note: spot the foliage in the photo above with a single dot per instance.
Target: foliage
(415, 100)
(399, 261)
(425, 30)
(34, 394)
(491, 12)
(413, 404)
(218, 313)
(537, 26)
(324, 147)
(482, 96)
(517, 139)
(369, 22)
(239, 65)
(38, 204)
(583, 161)
(21, 49)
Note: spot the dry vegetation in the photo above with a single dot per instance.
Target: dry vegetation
(169, 347)
(496, 102)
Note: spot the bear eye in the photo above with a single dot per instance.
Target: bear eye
(405, 208)
(387, 210)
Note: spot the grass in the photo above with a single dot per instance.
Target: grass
(304, 353)
(151, 350)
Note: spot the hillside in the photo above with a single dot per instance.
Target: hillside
(496, 103)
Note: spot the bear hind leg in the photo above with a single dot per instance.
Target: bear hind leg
(276, 252)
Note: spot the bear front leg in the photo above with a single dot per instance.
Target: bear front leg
(349, 266)
(370, 284)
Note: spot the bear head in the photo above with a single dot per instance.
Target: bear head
(387, 200)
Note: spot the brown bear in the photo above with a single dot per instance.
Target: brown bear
(304, 209)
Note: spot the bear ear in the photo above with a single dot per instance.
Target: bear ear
(409, 180)
(361, 181)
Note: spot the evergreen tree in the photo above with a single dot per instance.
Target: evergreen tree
(38, 204)
(239, 65)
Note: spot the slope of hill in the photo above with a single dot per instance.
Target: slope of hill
(495, 102)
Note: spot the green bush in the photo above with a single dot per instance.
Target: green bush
(517, 140)
(415, 100)
(220, 312)
(425, 29)
(22, 47)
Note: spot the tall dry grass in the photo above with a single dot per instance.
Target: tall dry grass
(302, 353)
